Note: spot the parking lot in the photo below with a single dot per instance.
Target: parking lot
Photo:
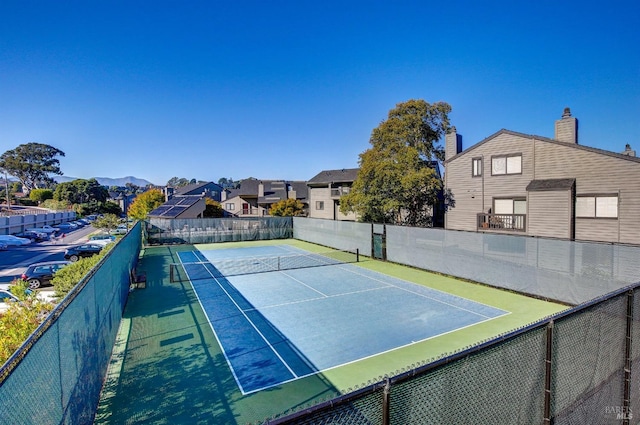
(15, 259)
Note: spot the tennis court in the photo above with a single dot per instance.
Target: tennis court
(278, 317)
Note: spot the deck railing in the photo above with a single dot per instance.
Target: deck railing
(506, 222)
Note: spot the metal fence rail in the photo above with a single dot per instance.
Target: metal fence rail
(569, 368)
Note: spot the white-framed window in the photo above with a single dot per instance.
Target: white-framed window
(230, 207)
(319, 205)
(597, 206)
(510, 206)
(506, 164)
(476, 167)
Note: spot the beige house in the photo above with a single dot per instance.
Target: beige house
(255, 197)
(325, 190)
(531, 185)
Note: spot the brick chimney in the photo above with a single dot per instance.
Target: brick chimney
(567, 128)
(452, 144)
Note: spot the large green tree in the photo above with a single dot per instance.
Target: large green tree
(397, 181)
(32, 164)
(81, 191)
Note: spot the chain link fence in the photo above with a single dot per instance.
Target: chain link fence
(579, 366)
(57, 375)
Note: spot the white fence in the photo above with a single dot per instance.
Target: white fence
(17, 223)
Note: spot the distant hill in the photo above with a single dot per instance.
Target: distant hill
(107, 181)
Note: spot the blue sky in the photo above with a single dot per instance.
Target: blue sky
(286, 89)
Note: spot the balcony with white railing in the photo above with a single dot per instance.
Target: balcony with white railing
(502, 222)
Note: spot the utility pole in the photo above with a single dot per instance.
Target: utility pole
(6, 185)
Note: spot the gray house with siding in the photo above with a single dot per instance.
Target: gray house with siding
(325, 190)
(530, 185)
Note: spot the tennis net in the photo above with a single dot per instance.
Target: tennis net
(180, 272)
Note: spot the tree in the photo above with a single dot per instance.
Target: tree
(287, 208)
(145, 203)
(397, 181)
(32, 163)
(40, 195)
(228, 183)
(106, 222)
(213, 209)
(81, 191)
(177, 182)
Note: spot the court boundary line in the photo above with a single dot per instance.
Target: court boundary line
(284, 363)
(345, 267)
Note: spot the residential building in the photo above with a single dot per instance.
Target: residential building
(181, 206)
(254, 197)
(532, 185)
(209, 190)
(325, 190)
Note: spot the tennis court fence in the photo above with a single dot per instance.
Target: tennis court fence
(162, 231)
(180, 272)
(580, 366)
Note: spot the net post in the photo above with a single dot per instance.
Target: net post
(357, 255)
(171, 272)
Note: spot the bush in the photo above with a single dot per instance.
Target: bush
(68, 277)
(19, 321)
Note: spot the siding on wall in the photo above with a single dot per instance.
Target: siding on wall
(595, 171)
(549, 214)
(475, 195)
(320, 194)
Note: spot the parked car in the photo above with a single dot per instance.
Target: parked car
(46, 229)
(102, 236)
(66, 227)
(11, 240)
(33, 235)
(40, 274)
(3, 246)
(122, 229)
(80, 251)
(6, 298)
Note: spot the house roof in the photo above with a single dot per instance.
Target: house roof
(196, 187)
(273, 190)
(345, 175)
(547, 140)
(550, 184)
(175, 206)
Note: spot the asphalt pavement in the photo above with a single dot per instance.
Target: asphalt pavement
(16, 259)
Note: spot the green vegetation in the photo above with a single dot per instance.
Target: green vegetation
(22, 318)
(397, 182)
(68, 277)
(32, 164)
(213, 209)
(145, 203)
(287, 208)
(106, 222)
(40, 195)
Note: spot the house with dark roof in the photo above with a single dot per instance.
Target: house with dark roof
(325, 190)
(184, 206)
(187, 201)
(255, 197)
(550, 187)
(209, 190)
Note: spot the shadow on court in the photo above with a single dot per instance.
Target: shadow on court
(172, 368)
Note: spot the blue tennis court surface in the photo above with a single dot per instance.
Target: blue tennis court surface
(279, 326)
